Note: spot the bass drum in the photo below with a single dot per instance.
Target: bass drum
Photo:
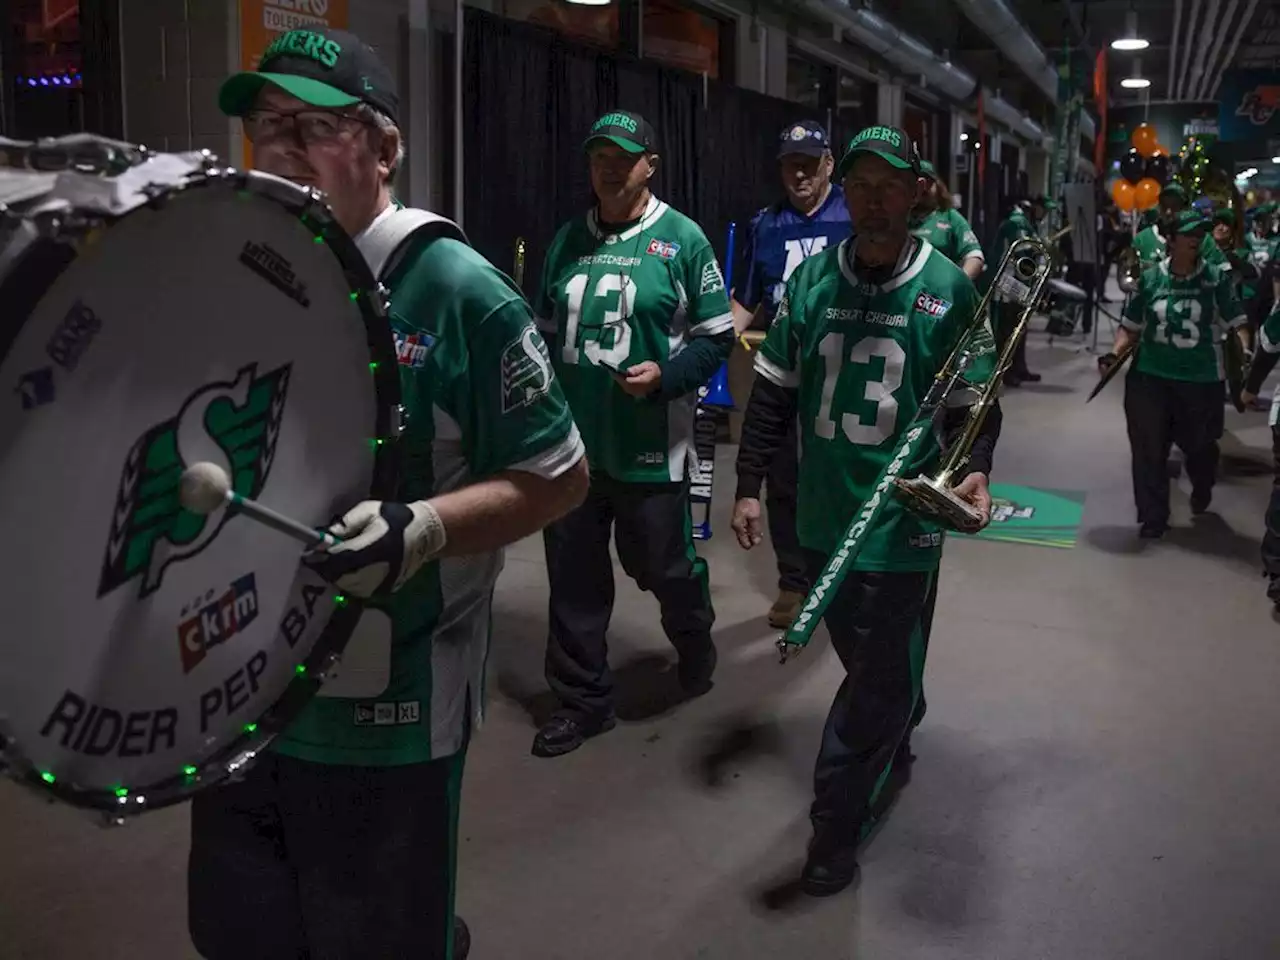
(158, 314)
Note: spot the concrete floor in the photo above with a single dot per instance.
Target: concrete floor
(1097, 777)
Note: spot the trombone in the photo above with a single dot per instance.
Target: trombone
(969, 370)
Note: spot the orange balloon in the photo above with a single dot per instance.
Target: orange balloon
(1147, 193)
(1122, 194)
(1145, 139)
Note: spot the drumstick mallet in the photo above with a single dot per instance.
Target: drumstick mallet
(205, 487)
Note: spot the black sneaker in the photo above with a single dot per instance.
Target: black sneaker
(694, 672)
(1273, 590)
(1153, 531)
(561, 735)
(461, 938)
(1030, 377)
(1200, 501)
(832, 863)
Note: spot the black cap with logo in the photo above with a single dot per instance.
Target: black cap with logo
(806, 138)
(890, 144)
(630, 131)
(319, 66)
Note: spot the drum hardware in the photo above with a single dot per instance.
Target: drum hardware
(153, 653)
(1022, 276)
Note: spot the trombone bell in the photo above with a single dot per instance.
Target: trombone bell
(934, 498)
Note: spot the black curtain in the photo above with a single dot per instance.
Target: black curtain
(530, 98)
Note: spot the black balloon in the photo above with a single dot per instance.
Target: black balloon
(1133, 167)
(1158, 168)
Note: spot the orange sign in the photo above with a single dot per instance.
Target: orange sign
(261, 21)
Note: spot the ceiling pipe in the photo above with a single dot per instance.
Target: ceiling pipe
(997, 20)
(1231, 50)
(1220, 35)
(905, 51)
(1193, 15)
(1173, 46)
(1212, 23)
(1005, 113)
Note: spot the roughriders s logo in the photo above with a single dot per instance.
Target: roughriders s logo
(234, 425)
(1259, 105)
(935, 307)
(526, 371)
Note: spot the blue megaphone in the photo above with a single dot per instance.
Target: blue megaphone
(716, 392)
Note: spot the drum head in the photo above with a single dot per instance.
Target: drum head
(148, 650)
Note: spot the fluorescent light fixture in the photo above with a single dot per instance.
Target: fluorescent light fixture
(1275, 159)
(1130, 40)
(1135, 83)
(589, 3)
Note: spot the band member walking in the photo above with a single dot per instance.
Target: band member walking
(1017, 226)
(1152, 241)
(1174, 390)
(810, 218)
(341, 841)
(634, 306)
(935, 219)
(1264, 362)
(859, 336)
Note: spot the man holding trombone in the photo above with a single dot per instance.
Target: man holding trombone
(860, 337)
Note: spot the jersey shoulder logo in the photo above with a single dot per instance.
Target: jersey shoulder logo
(412, 349)
(664, 249)
(935, 307)
(526, 370)
(712, 279)
(784, 308)
(233, 424)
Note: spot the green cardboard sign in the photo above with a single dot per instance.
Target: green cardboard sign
(1045, 518)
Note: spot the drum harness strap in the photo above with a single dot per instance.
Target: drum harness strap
(385, 242)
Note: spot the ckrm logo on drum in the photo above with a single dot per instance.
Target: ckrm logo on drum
(234, 424)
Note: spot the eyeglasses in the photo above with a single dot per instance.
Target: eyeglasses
(309, 126)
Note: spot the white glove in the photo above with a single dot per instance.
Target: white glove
(382, 545)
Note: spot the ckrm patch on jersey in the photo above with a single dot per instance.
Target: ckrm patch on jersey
(526, 370)
(935, 307)
(712, 279)
(663, 248)
(412, 349)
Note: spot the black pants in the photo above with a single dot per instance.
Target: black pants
(1160, 413)
(1085, 276)
(878, 624)
(1271, 539)
(780, 502)
(1007, 316)
(309, 861)
(655, 545)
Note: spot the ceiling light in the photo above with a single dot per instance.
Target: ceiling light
(589, 3)
(1130, 39)
(1135, 83)
(1275, 159)
(965, 136)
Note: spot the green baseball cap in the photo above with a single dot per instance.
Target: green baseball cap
(319, 66)
(1225, 216)
(1190, 221)
(1174, 190)
(630, 131)
(890, 144)
(927, 169)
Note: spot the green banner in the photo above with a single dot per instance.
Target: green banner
(1045, 518)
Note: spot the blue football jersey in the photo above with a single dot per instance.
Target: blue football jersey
(779, 240)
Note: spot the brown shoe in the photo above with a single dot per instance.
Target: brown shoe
(783, 612)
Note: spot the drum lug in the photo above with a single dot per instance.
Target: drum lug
(399, 421)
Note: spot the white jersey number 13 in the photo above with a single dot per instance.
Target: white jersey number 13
(879, 392)
(614, 324)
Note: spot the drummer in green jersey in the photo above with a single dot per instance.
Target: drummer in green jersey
(1174, 390)
(634, 306)
(1151, 243)
(935, 219)
(859, 337)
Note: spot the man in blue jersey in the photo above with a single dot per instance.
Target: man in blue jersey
(810, 218)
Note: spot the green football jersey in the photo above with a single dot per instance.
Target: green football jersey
(1152, 248)
(480, 397)
(1180, 319)
(863, 356)
(1261, 250)
(613, 300)
(1017, 226)
(950, 234)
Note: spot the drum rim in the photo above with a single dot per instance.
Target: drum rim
(116, 806)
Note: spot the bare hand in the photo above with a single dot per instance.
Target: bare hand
(973, 491)
(642, 379)
(746, 522)
(1247, 398)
